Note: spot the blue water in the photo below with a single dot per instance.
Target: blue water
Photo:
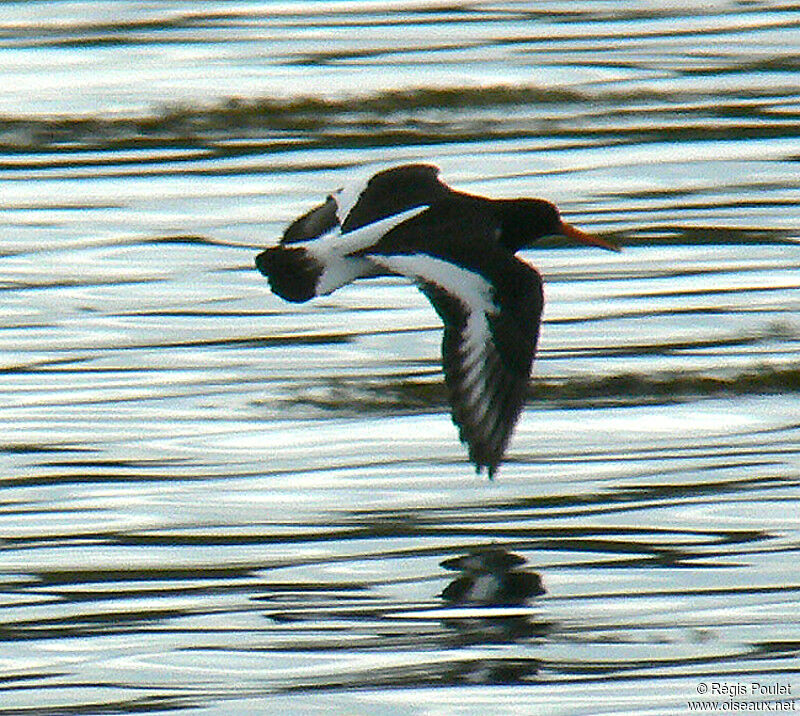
(215, 502)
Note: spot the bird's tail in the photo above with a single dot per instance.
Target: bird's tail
(293, 273)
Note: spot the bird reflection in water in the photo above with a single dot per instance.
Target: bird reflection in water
(493, 577)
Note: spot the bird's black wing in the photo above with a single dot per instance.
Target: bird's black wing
(487, 363)
(320, 220)
(389, 192)
(491, 305)
(384, 194)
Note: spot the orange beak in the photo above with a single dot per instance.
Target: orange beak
(584, 238)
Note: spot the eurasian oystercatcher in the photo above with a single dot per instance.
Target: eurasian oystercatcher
(459, 249)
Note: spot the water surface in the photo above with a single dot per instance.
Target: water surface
(216, 502)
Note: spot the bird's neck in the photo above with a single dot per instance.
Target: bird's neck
(510, 234)
(515, 230)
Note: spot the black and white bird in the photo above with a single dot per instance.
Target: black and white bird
(459, 249)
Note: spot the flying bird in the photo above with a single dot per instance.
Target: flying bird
(458, 248)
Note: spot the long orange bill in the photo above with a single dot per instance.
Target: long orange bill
(584, 238)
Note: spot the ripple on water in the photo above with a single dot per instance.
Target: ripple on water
(217, 502)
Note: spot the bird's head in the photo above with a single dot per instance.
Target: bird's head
(525, 221)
